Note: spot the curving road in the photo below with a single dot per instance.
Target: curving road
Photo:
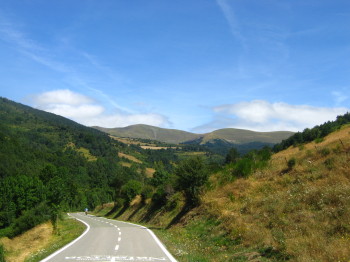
(112, 241)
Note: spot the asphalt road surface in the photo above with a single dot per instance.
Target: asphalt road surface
(112, 241)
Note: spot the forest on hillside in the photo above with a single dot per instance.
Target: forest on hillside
(43, 170)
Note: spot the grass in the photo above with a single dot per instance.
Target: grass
(129, 157)
(84, 151)
(289, 211)
(204, 239)
(69, 229)
(301, 212)
(40, 242)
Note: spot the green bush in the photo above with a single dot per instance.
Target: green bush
(244, 167)
(192, 175)
(30, 219)
(291, 163)
(130, 190)
(329, 163)
(146, 193)
(325, 151)
(159, 198)
(319, 140)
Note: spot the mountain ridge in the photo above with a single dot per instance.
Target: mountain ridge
(175, 136)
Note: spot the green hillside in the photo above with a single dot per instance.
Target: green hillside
(51, 164)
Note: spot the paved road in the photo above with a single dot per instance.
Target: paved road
(112, 241)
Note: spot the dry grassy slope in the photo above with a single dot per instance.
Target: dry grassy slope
(28, 243)
(303, 212)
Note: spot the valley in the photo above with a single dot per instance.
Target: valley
(266, 204)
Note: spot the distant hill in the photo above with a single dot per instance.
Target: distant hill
(171, 136)
(219, 141)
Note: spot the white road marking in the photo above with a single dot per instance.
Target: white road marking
(70, 244)
(116, 258)
(116, 248)
(172, 259)
(119, 238)
(120, 233)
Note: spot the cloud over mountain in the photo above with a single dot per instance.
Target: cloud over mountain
(260, 115)
(87, 111)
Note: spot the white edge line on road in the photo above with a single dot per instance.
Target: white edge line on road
(160, 244)
(70, 244)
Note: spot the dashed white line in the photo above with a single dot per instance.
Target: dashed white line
(116, 248)
(119, 238)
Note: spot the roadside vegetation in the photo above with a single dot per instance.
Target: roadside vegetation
(293, 205)
(39, 242)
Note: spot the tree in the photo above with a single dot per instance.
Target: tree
(232, 156)
(130, 190)
(192, 175)
(160, 177)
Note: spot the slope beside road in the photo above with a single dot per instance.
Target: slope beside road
(112, 241)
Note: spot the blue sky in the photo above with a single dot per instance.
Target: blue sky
(195, 65)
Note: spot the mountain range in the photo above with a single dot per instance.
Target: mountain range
(225, 138)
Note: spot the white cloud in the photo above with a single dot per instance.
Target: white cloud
(86, 111)
(63, 96)
(261, 115)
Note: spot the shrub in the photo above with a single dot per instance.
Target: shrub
(146, 193)
(159, 198)
(291, 163)
(30, 219)
(130, 190)
(319, 140)
(325, 151)
(244, 167)
(329, 163)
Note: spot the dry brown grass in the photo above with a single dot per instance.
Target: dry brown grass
(129, 157)
(303, 212)
(150, 172)
(125, 164)
(28, 243)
